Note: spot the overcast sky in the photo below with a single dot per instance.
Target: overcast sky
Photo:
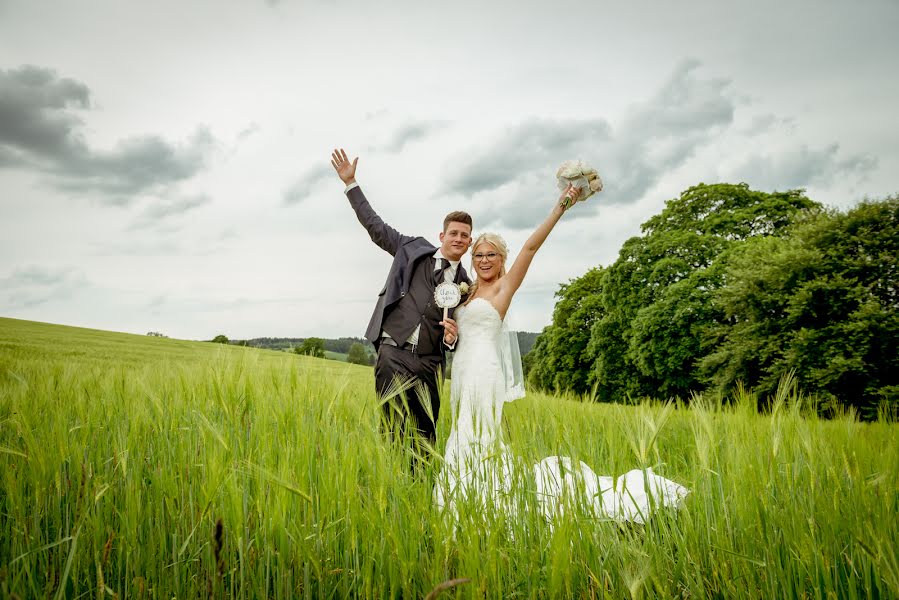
(164, 165)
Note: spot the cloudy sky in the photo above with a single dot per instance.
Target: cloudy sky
(164, 165)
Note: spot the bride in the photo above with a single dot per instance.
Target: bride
(486, 374)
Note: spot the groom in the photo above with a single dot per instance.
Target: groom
(406, 325)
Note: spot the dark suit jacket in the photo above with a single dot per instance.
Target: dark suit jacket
(406, 251)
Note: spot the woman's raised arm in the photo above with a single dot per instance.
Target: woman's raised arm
(510, 283)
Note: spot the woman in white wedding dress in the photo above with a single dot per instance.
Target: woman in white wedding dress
(486, 374)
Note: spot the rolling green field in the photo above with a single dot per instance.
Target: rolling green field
(138, 467)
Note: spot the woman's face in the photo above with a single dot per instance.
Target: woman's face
(487, 261)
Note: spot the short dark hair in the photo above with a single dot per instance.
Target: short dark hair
(457, 216)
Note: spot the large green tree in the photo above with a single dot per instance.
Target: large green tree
(657, 297)
(822, 301)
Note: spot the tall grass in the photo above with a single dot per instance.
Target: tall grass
(144, 467)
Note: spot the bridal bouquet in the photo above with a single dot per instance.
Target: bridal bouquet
(580, 175)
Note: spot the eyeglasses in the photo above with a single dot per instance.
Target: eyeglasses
(491, 256)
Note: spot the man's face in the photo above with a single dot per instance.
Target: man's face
(454, 242)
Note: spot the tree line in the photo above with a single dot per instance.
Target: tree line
(357, 350)
(361, 351)
(337, 345)
(729, 286)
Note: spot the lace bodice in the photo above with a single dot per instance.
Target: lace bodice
(478, 323)
(477, 358)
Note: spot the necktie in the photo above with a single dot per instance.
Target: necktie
(442, 266)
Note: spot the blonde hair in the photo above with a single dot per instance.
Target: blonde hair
(495, 240)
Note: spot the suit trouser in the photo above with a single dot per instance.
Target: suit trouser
(396, 365)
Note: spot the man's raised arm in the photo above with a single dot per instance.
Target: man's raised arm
(380, 232)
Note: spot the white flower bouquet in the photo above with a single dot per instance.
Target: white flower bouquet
(580, 175)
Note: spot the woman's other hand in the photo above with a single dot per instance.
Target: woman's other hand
(450, 331)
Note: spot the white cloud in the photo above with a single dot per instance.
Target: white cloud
(36, 285)
(307, 183)
(38, 130)
(655, 137)
(802, 167)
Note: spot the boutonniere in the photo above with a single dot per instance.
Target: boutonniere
(463, 287)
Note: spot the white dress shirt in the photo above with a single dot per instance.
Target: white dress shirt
(448, 275)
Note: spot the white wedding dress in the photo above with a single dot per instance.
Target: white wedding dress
(479, 469)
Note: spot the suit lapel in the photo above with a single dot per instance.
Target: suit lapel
(461, 275)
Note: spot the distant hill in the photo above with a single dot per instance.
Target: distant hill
(335, 345)
(342, 345)
(526, 341)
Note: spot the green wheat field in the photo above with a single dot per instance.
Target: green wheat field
(141, 467)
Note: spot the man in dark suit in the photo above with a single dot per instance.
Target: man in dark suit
(406, 326)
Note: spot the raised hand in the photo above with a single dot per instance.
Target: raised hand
(346, 170)
(569, 196)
